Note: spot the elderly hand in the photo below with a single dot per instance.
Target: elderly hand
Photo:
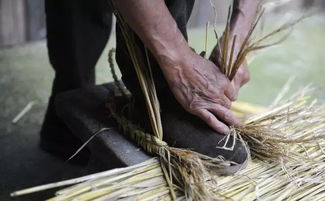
(201, 89)
(241, 78)
(197, 83)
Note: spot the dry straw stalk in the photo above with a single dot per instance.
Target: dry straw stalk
(286, 142)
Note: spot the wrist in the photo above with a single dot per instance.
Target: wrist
(245, 11)
(170, 51)
(246, 4)
(243, 17)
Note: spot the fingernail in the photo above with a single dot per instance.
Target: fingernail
(238, 122)
(225, 130)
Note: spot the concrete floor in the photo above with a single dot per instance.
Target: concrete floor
(23, 164)
(25, 76)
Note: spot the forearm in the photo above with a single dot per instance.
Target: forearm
(153, 23)
(196, 83)
(243, 17)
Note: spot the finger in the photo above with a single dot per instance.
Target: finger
(222, 100)
(231, 92)
(236, 86)
(238, 81)
(212, 121)
(226, 102)
(225, 115)
(242, 76)
(246, 75)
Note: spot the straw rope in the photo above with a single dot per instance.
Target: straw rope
(289, 180)
(190, 175)
(174, 162)
(184, 168)
(169, 155)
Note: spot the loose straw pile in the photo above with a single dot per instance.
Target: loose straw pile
(299, 175)
(286, 143)
(183, 169)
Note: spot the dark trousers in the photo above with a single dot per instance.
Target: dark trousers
(77, 32)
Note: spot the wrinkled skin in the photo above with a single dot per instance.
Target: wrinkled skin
(241, 78)
(200, 87)
(197, 83)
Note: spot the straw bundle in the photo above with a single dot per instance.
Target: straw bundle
(278, 179)
(275, 135)
(184, 168)
(287, 136)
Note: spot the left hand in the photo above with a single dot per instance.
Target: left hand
(241, 78)
(243, 17)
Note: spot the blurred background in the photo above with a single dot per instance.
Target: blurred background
(26, 76)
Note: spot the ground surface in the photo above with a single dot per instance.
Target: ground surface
(25, 75)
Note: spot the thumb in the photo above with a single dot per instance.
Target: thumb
(231, 91)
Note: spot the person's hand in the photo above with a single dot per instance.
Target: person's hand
(197, 83)
(241, 78)
(243, 16)
(201, 88)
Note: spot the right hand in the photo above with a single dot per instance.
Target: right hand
(201, 89)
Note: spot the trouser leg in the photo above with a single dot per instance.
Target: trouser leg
(77, 32)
